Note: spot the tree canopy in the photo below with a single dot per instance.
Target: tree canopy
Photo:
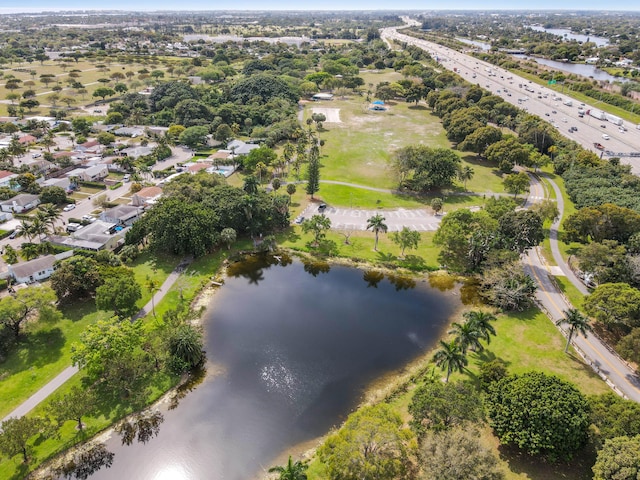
(557, 414)
(420, 168)
(371, 444)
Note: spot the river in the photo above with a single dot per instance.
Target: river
(291, 351)
(582, 69)
(567, 34)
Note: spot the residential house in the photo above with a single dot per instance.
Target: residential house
(62, 182)
(96, 236)
(125, 215)
(90, 147)
(238, 147)
(20, 203)
(27, 139)
(198, 166)
(5, 179)
(129, 132)
(146, 196)
(136, 152)
(38, 269)
(91, 174)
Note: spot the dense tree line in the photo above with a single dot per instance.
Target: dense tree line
(195, 209)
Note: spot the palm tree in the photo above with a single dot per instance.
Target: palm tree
(450, 357)
(377, 225)
(152, 286)
(467, 336)
(482, 323)
(576, 322)
(465, 174)
(49, 213)
(25, 230)
(292, 471)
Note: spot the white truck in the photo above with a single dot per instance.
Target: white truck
(595, 113)
(615, 120)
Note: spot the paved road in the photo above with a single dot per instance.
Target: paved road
(69, 372)
(538, 101)
(606, 363)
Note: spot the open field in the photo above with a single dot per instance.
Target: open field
(86, 72)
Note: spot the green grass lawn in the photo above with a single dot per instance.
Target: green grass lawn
(46, 348)
(360, 248)
(525, 341)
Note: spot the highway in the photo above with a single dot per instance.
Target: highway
(616, 373)
(535, 99)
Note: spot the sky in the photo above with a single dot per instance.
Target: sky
(13, 6)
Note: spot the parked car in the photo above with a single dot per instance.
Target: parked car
(13, 235)
(299, 220)
(69, 207)
(322, 207)
(126, 178)
(89, 218)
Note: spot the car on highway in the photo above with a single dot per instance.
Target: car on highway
(69, 207)
(602, 125)
(13, 235)
(605, 136)
(553, 111)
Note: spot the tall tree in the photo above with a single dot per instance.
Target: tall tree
(376, 225)
(465, 174)
(450, 357)
(577, 323)
(406, 238)
(318, 224)
(75, 405)
(619, 459)
(457, 454)
(516, 183)
(467, 336)
(313, 175)
(25, 304)
(16, 433)
(119, 294)
(441, 406)
(482, 323)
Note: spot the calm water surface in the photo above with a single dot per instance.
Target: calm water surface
(296, 346)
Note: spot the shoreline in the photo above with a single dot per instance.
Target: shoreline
(378, 390)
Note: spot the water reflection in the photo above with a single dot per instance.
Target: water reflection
(372, 278)
(296, 352)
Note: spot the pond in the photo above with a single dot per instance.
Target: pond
(291, 348)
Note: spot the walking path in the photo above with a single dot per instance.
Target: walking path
(69, 372)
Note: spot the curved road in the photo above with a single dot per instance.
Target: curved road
(613, 370)
(618, 375)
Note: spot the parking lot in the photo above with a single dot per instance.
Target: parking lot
(422, 220)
